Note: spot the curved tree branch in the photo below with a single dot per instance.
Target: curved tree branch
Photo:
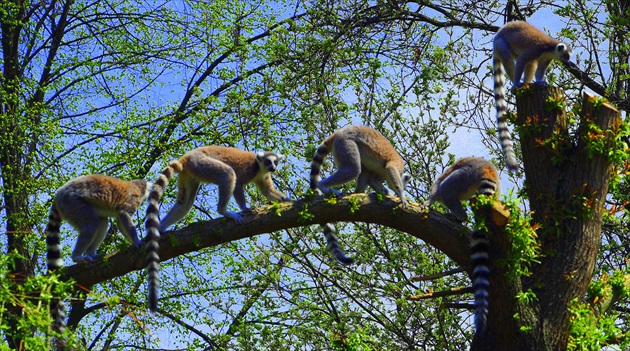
(433, 228)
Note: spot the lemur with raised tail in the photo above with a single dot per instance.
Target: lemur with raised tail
(230, 168)
(519, 47)
(86, 203)
(360, 153)
(464, 179)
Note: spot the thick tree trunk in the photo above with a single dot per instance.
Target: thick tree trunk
(566, 178)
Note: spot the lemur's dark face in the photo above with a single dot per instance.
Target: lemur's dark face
(563, 52)
(271, 163)
(269, 160)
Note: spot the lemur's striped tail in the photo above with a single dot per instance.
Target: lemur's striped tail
(332, 244)
(53, 242)
(316, 164)
(153, 231)
(505, 139)
(480, 260)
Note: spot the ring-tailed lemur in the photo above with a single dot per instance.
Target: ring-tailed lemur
(230, 168)
(86, 203)
(360, 153)
(520, 48)
(463, 180)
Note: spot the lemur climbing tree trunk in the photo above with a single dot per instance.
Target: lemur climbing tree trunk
(567, 172)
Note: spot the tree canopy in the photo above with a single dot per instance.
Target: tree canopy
(123, 87)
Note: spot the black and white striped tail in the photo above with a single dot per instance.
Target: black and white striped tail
(480, 260)
(332, 244)
(505, 138)
(53, 243)
(487, 187)
(153, 231)
(316, 164)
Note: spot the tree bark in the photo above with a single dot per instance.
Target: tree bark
(446, 235)
(566, 178)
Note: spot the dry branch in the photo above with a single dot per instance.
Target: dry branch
(437, 275)
(443, 293)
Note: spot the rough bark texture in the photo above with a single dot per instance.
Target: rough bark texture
(567, 183)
